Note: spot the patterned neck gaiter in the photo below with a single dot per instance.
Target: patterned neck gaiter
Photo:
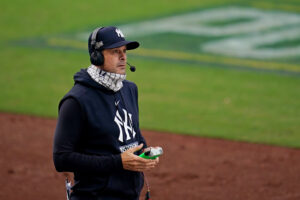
(109, 80)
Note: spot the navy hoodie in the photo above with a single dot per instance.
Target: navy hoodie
(95, 125)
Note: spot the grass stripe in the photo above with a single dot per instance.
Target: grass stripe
(57, 42)
(217, 59)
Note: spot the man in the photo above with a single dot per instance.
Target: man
(97, 135)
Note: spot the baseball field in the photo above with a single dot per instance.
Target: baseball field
(219, 90)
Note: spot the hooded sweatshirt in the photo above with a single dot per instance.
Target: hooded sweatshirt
(95, 125)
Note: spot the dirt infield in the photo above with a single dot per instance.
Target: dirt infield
(191, 168)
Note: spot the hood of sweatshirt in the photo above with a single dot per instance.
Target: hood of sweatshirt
(84, 78)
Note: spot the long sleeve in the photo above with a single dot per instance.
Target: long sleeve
(139, 130)
(67, 137)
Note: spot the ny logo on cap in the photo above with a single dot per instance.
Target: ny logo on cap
(119, 32)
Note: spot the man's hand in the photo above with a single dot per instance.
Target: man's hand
(135, 163)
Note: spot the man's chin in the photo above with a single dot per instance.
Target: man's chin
(121, 70)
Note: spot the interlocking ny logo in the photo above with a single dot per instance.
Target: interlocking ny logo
(119, 32)
(126, 124)
(233, 31)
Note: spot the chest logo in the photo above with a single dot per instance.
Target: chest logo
(125, 124)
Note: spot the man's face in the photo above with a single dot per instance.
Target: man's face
(115, 60)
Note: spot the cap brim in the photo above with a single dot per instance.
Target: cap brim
(129, 44)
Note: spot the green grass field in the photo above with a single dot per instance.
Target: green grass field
(180, 90)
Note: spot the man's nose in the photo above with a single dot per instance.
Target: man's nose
(123, 55)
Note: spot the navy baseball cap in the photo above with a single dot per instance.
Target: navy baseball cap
(108, 38)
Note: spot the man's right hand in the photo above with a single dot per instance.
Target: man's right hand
(133, 162)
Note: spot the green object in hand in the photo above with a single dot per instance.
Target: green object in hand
(152, 153)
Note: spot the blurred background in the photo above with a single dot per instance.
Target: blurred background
(225, 69)
(218, 68)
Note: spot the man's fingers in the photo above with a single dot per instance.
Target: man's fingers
(136, 163)
(146, 162)
(142, 161)
(138, 166)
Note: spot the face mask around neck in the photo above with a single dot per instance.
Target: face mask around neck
(109, 80)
